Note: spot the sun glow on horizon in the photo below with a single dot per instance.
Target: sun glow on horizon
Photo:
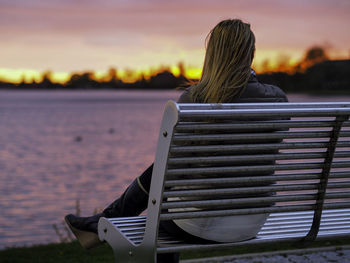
(266, 60)
(17, 76)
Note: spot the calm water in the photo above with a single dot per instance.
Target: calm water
(59, 147)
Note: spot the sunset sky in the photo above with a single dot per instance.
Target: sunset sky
(66, 36)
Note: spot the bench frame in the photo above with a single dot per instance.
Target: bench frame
(115, 230)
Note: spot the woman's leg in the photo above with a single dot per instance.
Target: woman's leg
(134, 199)
(131, 203)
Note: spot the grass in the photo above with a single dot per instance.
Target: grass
(62, 252)
(74, 253)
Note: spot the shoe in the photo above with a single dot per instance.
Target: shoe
(85, 229)
(131, 203)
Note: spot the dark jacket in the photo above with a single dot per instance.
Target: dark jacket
(242, 227)
(253, 92)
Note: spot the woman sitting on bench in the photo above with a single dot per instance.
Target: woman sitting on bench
(226, 78)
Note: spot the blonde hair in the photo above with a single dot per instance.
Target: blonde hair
(227, 63)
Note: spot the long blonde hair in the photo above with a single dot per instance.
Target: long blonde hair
(227, 63)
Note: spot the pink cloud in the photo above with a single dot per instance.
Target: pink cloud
(142, 26)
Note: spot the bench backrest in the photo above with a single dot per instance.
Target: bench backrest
(252, 158)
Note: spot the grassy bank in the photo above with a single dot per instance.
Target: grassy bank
(64, 252)
(74, 253)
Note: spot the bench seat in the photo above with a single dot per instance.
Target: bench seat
(286, 227)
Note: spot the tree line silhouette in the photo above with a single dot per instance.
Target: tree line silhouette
(314, 74)
(87, 81)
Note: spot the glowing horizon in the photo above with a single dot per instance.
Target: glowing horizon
(265, 61)
(28, 76)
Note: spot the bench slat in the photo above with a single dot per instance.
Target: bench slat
(240, 190)
(250, 190)
(304, 220)
(278, 135)
(326, 213)
(239, 201)
(303, 229)
(253, 168)
(252, 179)
(251, 125)
(279, 105)
(256, 158)
(124, 227)
(247, 211)
(271, 113)
(231, 212)
(302, 224)
(135, 220)
(253, 147)
(250, 201)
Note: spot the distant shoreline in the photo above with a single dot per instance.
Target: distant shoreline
(327, 77)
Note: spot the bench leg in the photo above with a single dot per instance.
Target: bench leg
(134, 255)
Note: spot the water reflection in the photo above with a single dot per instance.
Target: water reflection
(57, 147)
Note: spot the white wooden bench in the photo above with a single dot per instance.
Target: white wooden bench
(275, 158)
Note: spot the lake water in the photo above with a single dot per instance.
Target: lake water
(62, 146)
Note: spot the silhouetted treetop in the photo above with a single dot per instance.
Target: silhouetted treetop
(313, 55)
